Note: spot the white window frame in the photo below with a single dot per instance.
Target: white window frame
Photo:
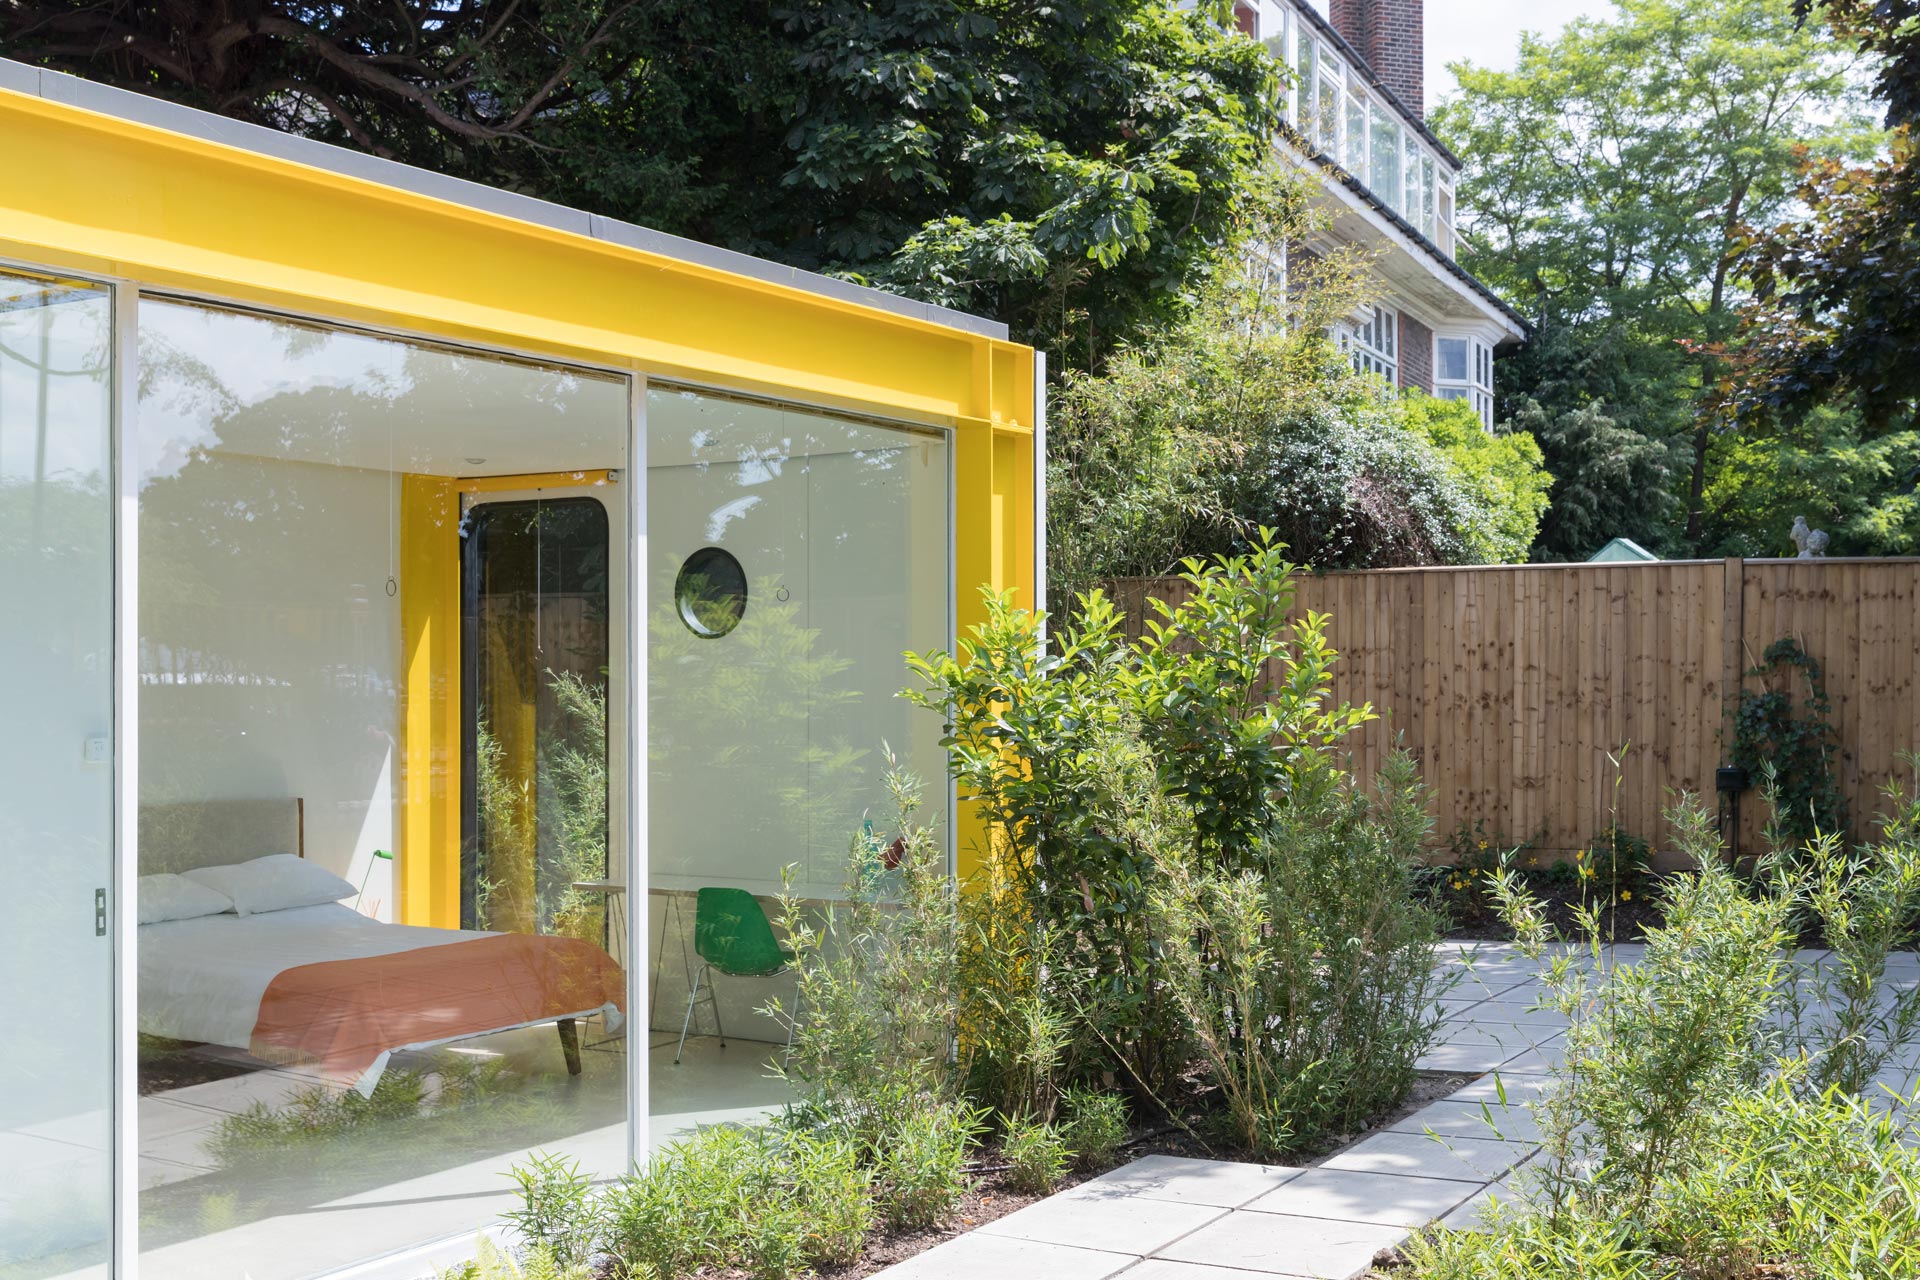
(1372, 343)
(1476, 388)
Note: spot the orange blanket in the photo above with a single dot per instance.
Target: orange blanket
(341, 1016)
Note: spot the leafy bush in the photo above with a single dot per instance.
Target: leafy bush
(492, 1263)
(1791, 746)
(1177, 858)
(559, 1212)
(1705, 1123)
(920, 1167)
(877, 975)
(1099, 763)
(772, 1201)
(1307, 973)
(1095, 1125)
(1614, 866)
(1842, 1014)
(1036, 1153)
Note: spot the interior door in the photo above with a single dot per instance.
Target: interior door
(56, 777)
(542, 574)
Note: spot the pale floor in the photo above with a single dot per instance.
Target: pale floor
(186, 1197)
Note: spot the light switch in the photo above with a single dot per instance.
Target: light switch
(99, 750)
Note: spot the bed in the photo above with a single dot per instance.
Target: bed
(327, 990)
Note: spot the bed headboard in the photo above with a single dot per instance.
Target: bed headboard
(213, 833)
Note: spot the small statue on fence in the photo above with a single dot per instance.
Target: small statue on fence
(1812, 542)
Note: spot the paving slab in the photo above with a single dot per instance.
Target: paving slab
(1384, 1199)
(1519, 1087)
(1218, 1183)
(1463, 1057)
(1420, 1156)
(1279, 1245)
(1168, 1269)
(979, 1256)
(1488, 1119)
(1133, 1224)
(1472, 1215)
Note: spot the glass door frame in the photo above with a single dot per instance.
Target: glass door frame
(124, 1105)
(127, 294)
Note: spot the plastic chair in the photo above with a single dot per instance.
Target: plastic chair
(732, 934)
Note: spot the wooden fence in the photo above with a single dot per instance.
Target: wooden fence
(1512, 684)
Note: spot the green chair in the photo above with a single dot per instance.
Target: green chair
(732, 934)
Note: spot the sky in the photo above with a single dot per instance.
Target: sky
(1487, 32)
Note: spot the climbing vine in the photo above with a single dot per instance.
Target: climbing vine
(1794, 735)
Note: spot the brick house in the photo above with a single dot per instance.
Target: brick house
(1357, 106)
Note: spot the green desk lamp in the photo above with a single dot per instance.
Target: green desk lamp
(368, 874)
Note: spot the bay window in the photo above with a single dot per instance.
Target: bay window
(1463, 370)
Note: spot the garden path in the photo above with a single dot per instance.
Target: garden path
(1167, 1218)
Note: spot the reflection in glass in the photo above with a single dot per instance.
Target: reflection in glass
(767, 746)
(56, 776)
(300, 680)
(535, 654)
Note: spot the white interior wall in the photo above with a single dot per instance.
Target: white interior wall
(270, 648)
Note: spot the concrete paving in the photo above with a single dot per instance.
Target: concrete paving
(1446, 1162)
(1442, 1163)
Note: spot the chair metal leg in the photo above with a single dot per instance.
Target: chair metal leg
(692, 996)
(713, 998)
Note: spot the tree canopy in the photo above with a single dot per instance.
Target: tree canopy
(1071, 168)
(1608, 178)
(1835, 318)
(1244, 416)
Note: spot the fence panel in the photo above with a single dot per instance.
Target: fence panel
(1513, 685)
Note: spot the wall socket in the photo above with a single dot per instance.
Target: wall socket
(98, 750)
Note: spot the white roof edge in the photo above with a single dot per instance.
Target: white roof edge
(1355, 204)
(124, 104)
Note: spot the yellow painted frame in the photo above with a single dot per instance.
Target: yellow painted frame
(99, 195)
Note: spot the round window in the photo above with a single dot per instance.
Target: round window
(711, 592)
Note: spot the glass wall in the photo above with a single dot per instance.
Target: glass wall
(56, 776)
(331, 1066)
(793, 557)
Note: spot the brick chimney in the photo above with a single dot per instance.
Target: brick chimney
(1392, 36)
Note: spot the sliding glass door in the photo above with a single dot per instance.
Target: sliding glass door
(56, 776)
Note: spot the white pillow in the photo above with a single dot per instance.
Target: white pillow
(273, 883)
(169, 897)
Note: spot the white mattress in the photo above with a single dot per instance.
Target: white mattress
(203, 979)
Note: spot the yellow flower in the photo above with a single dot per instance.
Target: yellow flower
(1626, 895)
(1579, 855)
(1483, 844)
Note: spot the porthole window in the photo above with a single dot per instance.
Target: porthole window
(711, 592)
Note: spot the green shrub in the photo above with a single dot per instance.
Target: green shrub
(559, 1210)
(1095, 1125)
(1842, 1014)
(920, 1166)
(832, 1194)
(878, 977)
(1101, 766)
(1036, 1154)
(772, 1201)
(1694, 1130)
(492, 1263)
(1307, 971)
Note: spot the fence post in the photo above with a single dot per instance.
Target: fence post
(1733, 626)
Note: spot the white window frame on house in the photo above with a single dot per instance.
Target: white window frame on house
(1343, 118)
(1463, 370)
(1373, 343)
